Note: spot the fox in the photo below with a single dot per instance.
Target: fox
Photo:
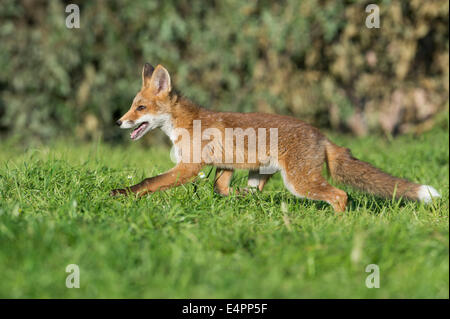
(301, 150)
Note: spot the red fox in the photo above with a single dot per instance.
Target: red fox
(298, 151)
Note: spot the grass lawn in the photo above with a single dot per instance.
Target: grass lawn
(190, 243)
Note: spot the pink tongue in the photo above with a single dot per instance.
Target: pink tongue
(138, 130)
(134, 133)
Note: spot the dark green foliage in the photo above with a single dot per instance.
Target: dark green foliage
(312, 59)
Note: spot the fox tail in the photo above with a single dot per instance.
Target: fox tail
(346, 169)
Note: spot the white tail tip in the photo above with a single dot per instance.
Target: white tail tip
(426, 193)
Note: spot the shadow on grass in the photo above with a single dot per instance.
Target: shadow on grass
(356, 202)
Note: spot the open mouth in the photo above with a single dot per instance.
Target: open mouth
(139, 131)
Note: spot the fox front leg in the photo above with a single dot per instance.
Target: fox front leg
(179, 175)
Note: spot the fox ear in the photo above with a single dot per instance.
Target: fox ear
(147, 72)
(160, 81)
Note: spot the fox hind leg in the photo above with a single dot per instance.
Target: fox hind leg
(314, 186)
(257, 180)
(224, 176)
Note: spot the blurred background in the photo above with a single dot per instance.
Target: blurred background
(315, 60)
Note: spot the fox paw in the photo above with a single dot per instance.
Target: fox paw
(119, 191)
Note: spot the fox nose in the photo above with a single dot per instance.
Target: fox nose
(118, 122)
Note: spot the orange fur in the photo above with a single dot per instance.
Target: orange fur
(302, 149)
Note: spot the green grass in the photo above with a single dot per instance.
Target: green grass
(190, 243)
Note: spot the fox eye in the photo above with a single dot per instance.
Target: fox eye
(140, 107)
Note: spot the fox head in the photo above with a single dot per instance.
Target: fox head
(151, 105)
